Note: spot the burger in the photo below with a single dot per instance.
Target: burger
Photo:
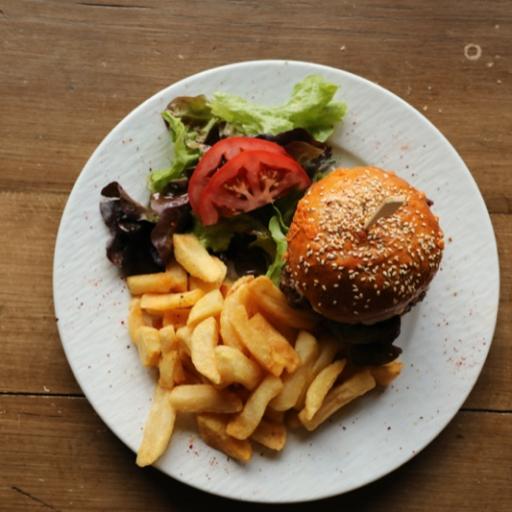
(363, 248)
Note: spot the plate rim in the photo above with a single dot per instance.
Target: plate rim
(315, 67)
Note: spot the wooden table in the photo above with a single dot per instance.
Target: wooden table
(69, 71)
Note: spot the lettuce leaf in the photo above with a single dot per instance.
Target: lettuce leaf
(184, 155)
(278, 231)
(311, 106)
(218, 236)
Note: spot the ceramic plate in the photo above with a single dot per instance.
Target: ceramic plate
(445, 339)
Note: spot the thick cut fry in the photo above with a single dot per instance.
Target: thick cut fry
(161, 282)
(149, 345)
(135, 320)
(168, 301)
(176, 317)
(204, 339)
(245, 423)
(179, 372)
(235, 297)
(225, 287)
(194, 258)
(294, 384)
(179, 277)
(283, 352)
(236, 367)
(258, 346)
(158, 428)
(167, 369)
(386, 373)
(271, 435)
(328, 349)
(204, 398)
(357, 385)
(195, 282)
(320, 386)
(168, 340)
(273, 304)
(213, 431)
(208, 305)
(184, 337)
(241, 281)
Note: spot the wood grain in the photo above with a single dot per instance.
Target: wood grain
(69, 71)
(81, 464)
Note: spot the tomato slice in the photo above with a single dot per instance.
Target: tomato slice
(217, 155)
(248, 181)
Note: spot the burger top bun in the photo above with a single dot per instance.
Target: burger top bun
(352, 265)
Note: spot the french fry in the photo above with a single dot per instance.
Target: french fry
(196, 283)
(328, 348)
(167, 369)
(295, 383)
(271, 435)
(225, 287)
(176, 317)
(386, 373)
(184, 337)
(241, 281)
(208, 305)
(180, 376)
(235, 367)
(135, 320)
(168, 340)
(357, 385)
(194, 258)
(165, 302)
(320, 386)
(234, 298)
(204, 339)
(200, 398)
(258, 346)
(212, 429)
(272, 302)
(178, 275)
(158, 428)
(283, 352)
(161, 282)
(245, 423)
(149, 345)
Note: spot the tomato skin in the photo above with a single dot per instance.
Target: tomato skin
(248, 181)
(224, 150)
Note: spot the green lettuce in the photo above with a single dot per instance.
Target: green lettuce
(218, 236)
(278, 231)
(311, 107)
(184, 157)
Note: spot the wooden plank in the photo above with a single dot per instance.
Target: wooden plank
(28, 318)
(87, 65)
(31, 356)
(58, 455)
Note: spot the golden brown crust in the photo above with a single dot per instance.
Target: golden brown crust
(353, 275)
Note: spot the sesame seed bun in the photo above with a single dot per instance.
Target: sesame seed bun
(355, 275)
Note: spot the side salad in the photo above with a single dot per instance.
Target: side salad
(237, 172)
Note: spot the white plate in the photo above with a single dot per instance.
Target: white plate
(445, 339)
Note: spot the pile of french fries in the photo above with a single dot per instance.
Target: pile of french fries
(236, 355)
